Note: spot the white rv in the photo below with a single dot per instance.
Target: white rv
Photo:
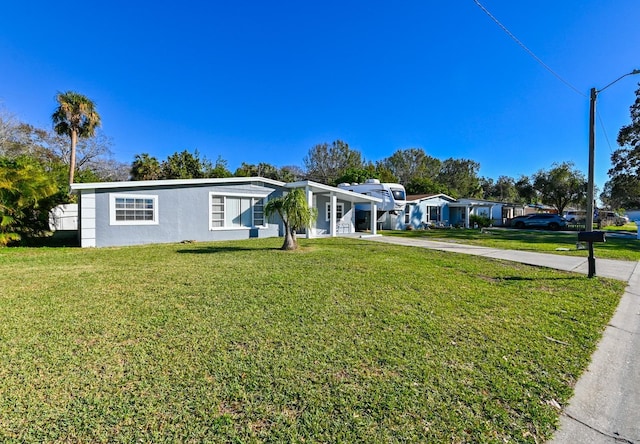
(390, 210)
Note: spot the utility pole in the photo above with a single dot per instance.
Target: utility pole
(592, 154)
(591, 261)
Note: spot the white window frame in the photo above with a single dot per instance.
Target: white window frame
(254, 198)
(339, 208)
(112, 209)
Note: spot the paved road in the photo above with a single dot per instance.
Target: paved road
(605, 407)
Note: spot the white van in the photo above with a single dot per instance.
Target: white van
(574, 216)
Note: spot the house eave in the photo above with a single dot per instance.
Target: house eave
(173, 183)
(319, 188)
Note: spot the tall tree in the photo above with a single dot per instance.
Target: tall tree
(525, 192)
(75, 117)
(502, 190)
(357, 175)
(295, 214)
(185, 165)
(219, 169)
(411, 164)
(291, 173)
(460, 177)
(325, 163)
(260, 170)
(560, 186)
(623, 187)
(145, 167)
(425, 185)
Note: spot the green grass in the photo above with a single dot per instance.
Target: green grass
(543, 241)
(631, 227)
(342, 341)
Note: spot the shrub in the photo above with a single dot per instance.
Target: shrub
(480, 221)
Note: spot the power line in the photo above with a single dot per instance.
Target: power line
(531, 53)
(604, 130)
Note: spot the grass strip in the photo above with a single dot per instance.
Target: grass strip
(541, 241)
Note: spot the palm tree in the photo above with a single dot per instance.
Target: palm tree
(295, 214)
(76, 116)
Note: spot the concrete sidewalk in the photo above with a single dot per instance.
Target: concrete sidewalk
(605, 407)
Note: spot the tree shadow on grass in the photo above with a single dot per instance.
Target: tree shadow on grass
(557, 278)
(212, 249)
(55, 240)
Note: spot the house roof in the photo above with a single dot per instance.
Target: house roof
(173, 182)
(343, 194)
(469, 202)
(419, 197)
(315, 187)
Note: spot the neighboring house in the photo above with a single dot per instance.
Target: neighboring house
(427, 209)
(498, 212)
(443, 210)
(159, 211)
(539, 208)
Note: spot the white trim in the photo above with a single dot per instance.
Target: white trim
(173, 182)
(327, 211)
(318, 188)
(112, 209)
(87, 219)
(249, 195)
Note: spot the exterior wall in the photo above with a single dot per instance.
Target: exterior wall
(493, 210)
(183, 214)
(322, 225)
(455, 212)
(419, 214)
(457, 216)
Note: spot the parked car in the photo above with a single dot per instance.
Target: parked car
(611, 217)
(542, 220)
(518, 221)
(574, 216)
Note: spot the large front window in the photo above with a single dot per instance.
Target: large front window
(132, 209)
(236, 212)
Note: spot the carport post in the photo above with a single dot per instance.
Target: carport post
(309, 194)
(333, 218)
(374, 217)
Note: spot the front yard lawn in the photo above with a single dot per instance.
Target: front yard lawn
(342, 341)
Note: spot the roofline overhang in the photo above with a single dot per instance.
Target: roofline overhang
(320, 188)
(173, 183)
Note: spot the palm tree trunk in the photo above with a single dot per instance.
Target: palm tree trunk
(72, 160)
(290, 241)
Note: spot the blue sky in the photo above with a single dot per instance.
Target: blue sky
(259, 81)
